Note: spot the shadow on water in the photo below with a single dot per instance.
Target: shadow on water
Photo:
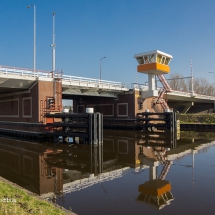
(56, 170)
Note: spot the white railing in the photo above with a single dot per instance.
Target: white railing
(174, 92)
(66, 79)
(139, 86)
(87, 182)
(195, 95)
(180, 92)
(24, 72)
(196, 149)
(90, 82)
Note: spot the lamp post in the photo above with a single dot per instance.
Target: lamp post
(53, 45)
(101, 67)
(191, 71)
(32, 5)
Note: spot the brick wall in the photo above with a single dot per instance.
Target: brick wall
(20, 107)
(28, 106)
(122, 107)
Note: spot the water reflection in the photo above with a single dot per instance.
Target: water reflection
(155, 191)
(44, 168)
(25, 163)
(54, 171)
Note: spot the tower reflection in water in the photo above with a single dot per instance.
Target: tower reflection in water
(55, 170)
(156, 191)
(153, 152)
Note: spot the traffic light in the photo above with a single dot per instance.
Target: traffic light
(50, 103)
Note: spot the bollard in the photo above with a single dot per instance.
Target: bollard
(89, 110)
(66, 110)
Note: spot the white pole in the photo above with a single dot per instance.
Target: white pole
(32, 5)
(53, 44)
(101, 68)
(53, 55)
(34, 37)
(191, 67)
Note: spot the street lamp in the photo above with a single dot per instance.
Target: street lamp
(32, 5)
(53, 45)
(101, 67)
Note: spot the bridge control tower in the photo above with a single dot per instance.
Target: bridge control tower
(154, 63)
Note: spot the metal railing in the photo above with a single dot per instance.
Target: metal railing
(66, 79)
(90, 82)
(139, 86)
(195, 95)
(87, 182)
(87, 82)
(7, 70)
(176, 92)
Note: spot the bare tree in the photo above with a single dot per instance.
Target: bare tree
(177, 82)
(201, 85)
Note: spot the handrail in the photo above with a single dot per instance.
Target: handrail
(87, 182)
(65, 78)
(91, 81)
(86, 81)
(196, 95)
(23, 71)
(68, 77)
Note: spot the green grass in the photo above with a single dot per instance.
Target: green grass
(23, 202)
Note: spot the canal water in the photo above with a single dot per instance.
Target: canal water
(130, 173)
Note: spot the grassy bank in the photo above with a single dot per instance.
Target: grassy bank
(197, 135)
(197, 118)
(14, 200)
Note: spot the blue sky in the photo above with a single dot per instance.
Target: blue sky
(86, 31)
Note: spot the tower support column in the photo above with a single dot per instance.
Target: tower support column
(151, 81)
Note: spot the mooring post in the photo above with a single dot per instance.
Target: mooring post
(90, 129)
(100, 127)
(91, 159)
(100, 158)
(90, 122)
(95, 158)
(95, 127)
(101, 155)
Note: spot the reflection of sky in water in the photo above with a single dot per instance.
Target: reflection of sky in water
(191, 174)
(192, 188)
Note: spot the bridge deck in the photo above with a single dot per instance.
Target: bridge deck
(7, 72)
(67, 80)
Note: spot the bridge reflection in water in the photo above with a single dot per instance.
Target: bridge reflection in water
(52, 171)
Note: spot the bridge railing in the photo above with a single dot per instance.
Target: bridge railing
(87, 182)
(196, 95)
(67, 79)
(24, 72)
(182, 93)
(82, 81)
(139, 86)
